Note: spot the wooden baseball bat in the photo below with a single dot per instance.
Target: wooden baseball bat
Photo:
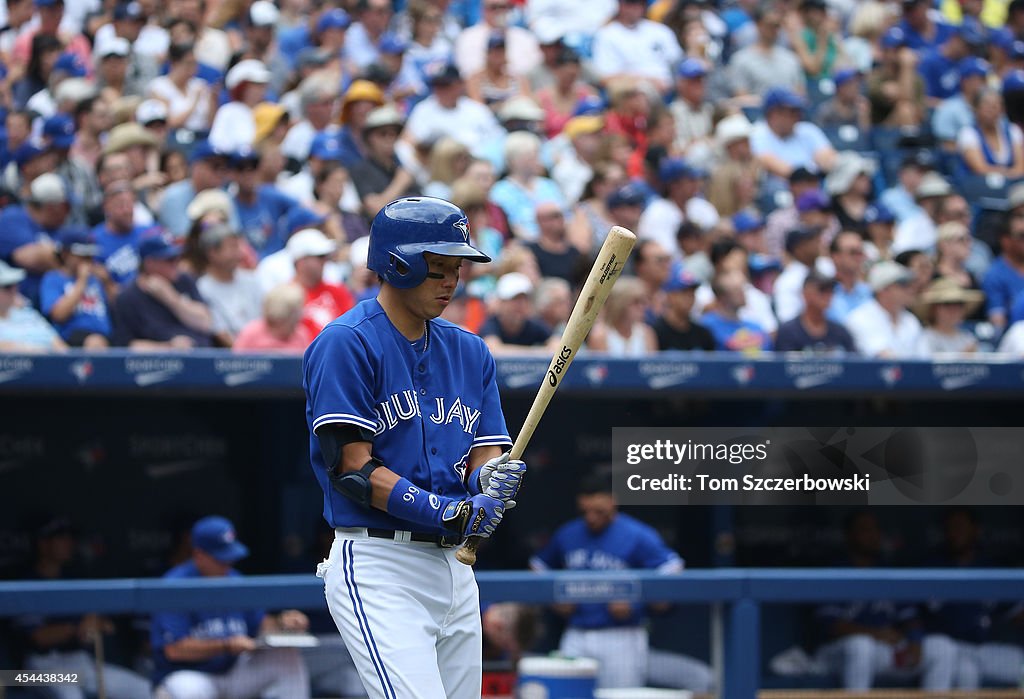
(607, 267)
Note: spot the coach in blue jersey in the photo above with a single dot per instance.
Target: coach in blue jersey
(614, 634)
(214, 654)
(406, 435)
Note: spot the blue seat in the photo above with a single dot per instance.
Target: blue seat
(848, 137)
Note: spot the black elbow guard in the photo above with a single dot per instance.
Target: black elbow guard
(355, 485)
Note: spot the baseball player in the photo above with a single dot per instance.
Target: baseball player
(406, 435)
(615, 634)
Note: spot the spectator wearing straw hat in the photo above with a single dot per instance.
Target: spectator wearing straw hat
(947, 305)
(380, 177)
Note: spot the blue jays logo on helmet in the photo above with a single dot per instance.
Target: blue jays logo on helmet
(405, 229)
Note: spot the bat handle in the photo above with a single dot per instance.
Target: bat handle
(467, 552)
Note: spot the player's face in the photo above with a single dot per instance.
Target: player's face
(430, 298)
(598, 510)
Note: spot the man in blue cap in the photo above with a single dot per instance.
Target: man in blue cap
(940, 67)
(216, 653)
(954, 112)
(675, 329)
(208, 169)
(681, 202)
(75, 297)
(691, 109)
(849, 106)
(783, 141)
(162, 308)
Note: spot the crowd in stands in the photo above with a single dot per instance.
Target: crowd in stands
(817, 176)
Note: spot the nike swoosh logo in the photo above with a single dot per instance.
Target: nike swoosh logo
(173, 468)
(811, 381)
(666, 380)
(148, 378)
(239, 378)
(520, 380)
(6, 376)
(954, 382)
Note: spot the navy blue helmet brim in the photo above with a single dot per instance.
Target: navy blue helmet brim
(446, 249)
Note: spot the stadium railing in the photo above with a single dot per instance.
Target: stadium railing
(736, 596)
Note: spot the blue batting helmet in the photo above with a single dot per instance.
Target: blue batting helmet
(405, 229)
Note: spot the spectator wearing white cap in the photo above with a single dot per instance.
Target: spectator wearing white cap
(849, 185)
(260, 45)
(310, 249)
(22, 328)
(234, 126)
(190, 100)
(147, 43)
(28, 233)
(471, 45)
(636, 48)
(112, 68)
(512, 328)
(233, 294)
(883, 328)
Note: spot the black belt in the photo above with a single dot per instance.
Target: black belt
(437, 539)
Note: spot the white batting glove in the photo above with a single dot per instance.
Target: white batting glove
(500, 478)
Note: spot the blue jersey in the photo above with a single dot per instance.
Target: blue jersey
(18, 229)
(119, 252)
(170, 627)
(90, 315)
(428, 403)
(625, 543)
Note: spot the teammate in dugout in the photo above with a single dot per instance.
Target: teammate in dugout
(406, 438)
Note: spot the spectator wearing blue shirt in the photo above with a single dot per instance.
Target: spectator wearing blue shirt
(848, 254)
(519, 193)
(75, 297)
(604, 539)
(214, 653)
(940, 68)
(118, 236)
(955, 112)
(922, 32)
(28, 233)
(1005, 278)
(730, 332)
(261, 207)
(879, 638)
(899, 199)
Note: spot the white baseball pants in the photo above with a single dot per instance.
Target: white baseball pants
(409, 613)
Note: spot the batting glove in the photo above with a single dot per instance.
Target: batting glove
(500, 478)
(477, 516)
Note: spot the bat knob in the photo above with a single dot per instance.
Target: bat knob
(467, 553)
